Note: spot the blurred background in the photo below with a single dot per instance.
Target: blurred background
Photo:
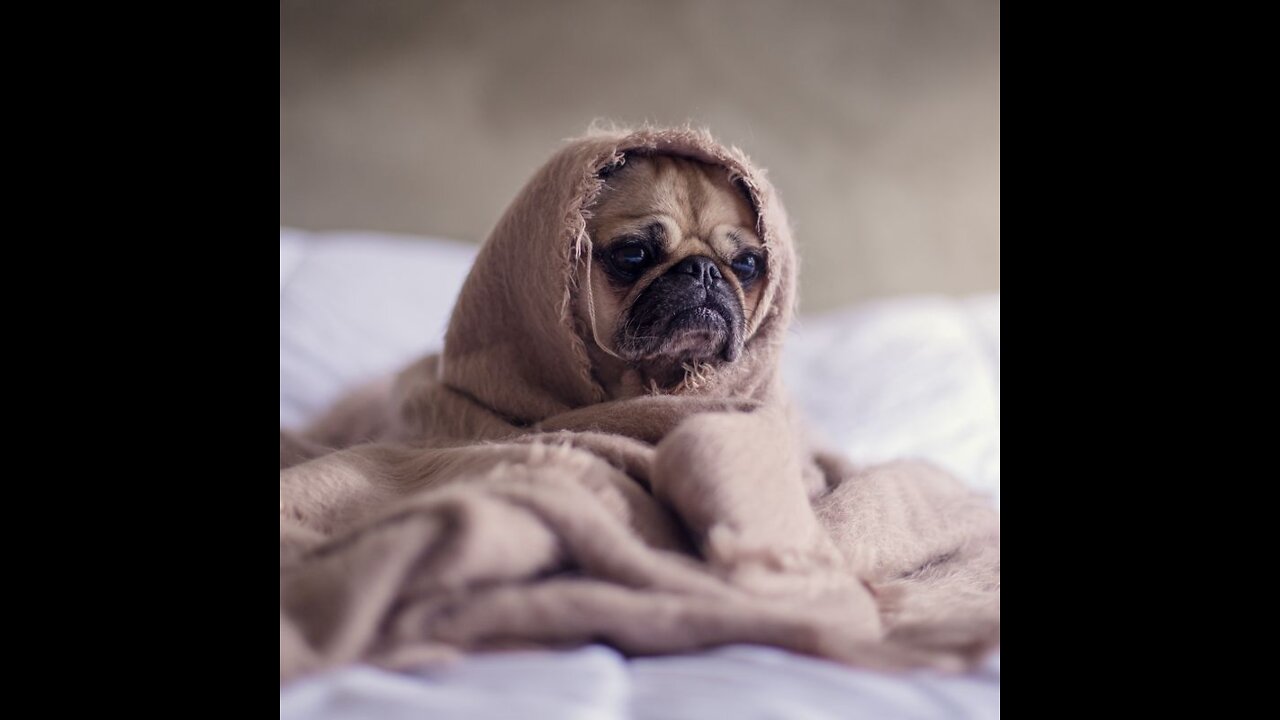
(878, 120)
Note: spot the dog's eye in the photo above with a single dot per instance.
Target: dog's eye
(747, 266)
(630, 258)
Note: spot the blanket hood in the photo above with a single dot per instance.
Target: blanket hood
(513, 344)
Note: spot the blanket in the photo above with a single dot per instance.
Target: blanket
(495, 496)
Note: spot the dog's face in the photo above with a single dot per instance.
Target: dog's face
(677, 267)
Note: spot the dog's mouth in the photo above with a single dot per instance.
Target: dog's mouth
(696, 331)
(697, 327)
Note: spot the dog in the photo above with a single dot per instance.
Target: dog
(676, 271)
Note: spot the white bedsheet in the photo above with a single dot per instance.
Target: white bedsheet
(905, 377)
(741, 682)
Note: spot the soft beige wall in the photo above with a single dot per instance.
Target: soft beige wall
(879, 121)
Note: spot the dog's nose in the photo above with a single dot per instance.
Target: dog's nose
(699, 266)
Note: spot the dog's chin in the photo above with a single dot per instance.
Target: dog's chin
(677, 322)
(697, 334)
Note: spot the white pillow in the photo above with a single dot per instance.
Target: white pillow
(905, 377)
(354, 306)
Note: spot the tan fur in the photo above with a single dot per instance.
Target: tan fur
(702, 213)
(514, 499)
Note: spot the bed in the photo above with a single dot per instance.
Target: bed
(914, 376)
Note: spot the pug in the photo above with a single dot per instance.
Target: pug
(676, 271)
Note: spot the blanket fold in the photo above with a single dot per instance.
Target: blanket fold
(495, 496)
